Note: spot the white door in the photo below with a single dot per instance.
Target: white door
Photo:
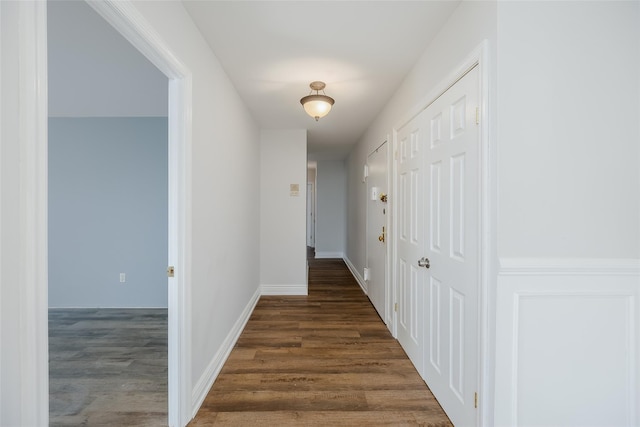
(410, 242)
(311, 215)
(452, 193)
(377, 228)
(438, 220)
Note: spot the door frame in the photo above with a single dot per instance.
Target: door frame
(388, 295)
(311, 212)
(128, 21)
(479, 57)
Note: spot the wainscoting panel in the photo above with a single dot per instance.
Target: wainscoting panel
(567, 343)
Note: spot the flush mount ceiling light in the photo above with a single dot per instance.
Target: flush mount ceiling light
(317, 105)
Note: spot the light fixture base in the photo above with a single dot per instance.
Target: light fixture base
(317, 85)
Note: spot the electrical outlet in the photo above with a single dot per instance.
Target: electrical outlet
(123, 277)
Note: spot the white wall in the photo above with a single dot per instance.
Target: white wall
(569, 137)
(108, 212)
(282, 242)
(225, 197)
(331, 218)
(568, 287)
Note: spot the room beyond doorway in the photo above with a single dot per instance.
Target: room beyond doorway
(108, 227)
(107, 367)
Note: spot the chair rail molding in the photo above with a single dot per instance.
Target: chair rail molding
(569, 266)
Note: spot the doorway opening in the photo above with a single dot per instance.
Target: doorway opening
(108, 174)
(377, 217)
(127, 21)
(312, 171)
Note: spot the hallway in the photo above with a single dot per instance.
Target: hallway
(324, 359)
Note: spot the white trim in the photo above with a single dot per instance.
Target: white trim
(284, 290)
(33, 93)
(329, 255)
(356, 275)
(569, 267)
(128, 21)
(214, 367)
(389, 264)
(487, 246)
(1, 233)
(393, 189)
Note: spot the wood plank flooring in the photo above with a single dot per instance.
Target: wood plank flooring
(108, 367)
(321, 360)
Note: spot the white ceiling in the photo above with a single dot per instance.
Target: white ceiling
(271, 50)
(363, 50)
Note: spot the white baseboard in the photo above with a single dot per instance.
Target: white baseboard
(356, 275)
(213, 369)
(330, 255)
(284, 290)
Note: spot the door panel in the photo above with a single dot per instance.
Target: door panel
(410, 278)
(438, 218)
(376, 227)
(435, 349)
(453, 197)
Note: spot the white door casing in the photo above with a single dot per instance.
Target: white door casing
(452, 235)
(377, 228)
(32, 99)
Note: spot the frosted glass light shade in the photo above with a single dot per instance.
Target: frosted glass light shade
(317, 106)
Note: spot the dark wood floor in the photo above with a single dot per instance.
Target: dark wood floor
(108, 367)
(322, 360)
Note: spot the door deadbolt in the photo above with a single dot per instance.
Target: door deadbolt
(424, 262)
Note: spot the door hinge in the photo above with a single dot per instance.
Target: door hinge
(475, 400)
(171, 271)
(477, 115)
(395, 307)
